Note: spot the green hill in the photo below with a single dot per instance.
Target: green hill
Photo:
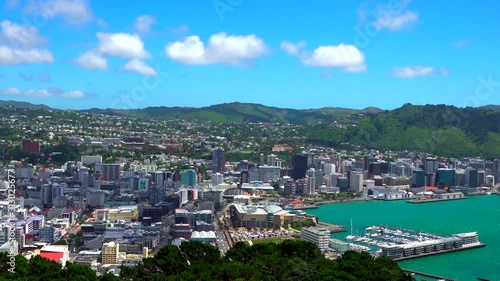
(22, 105)
(241, 112)
(439, 129)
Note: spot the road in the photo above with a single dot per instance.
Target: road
(222, 239)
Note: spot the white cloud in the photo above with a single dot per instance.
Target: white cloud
(11, 56)
(42, 93)
(74, 12)
(394, 16)
(221, 49)
(73, 94)
(92, 60)
(292, 48)
(121, 45)
(397, 22)
(415, 71)
(346, 57)
(139, 66)
(144, 23)
(22, 45)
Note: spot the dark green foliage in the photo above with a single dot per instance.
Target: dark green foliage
(437, 129)
(291, 260)
(303, 223)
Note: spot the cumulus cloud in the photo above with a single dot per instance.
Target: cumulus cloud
(144, 23)
(140, 67)
(92, 60)
(22, 45)
(292, 48)
(43, 76)
(346, 57)
(220, 49)
(417, 71)
(74, 12)
(122, 45)
(394, 16)
(51, 92)
(73, 94)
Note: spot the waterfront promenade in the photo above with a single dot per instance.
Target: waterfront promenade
(326, 202)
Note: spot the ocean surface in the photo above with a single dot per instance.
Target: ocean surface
(476, 213)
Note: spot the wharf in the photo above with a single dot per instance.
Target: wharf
(417, 201)
(333, 228)
(305, 207)
(427, 275)
(479, 245)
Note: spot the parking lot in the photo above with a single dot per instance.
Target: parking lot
(246, 235)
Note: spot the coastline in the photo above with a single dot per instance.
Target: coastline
(329, 202)
(418, 201)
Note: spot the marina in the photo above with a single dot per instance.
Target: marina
(401, 244)
(444, 218)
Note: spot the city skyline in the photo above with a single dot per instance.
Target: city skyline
(80, 54)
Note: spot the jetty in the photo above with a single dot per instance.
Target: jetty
(427, 274)
(333, 228)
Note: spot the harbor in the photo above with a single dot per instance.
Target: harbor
(401, 244)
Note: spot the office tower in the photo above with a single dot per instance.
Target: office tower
(218, 160)
(418, 178)
(459, 178)
(299, 163)
(374, 169)
(329, 169)
(261, 160)
(159, 178)
(311, 185)
(430, 165)
(367, 159)
(471, 177)
(430, 179)
(490, 181)
(108, 172)
(188, 177)
(481, 178)
(445, 177)
(356, 181)
(319, 178)
(217, 179)
(269, 173)
(333, 179)
(271, 159)
(496, 169)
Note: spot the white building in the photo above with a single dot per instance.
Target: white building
(318, 236)
(356, 182)
(217, 179)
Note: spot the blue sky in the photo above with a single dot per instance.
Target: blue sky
(76, 54)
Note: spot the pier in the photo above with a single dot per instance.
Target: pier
(333, 228)
(479, 245)
(427, 275)
(433, 200)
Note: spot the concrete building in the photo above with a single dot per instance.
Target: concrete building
(110, 252)
(318, 236)
(356, 181)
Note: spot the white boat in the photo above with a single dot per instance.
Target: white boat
(350, 237)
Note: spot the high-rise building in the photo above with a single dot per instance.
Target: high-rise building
(496, 169)
(299, 163)
(418, 178)
(311, 185)
(110, 252)
(218, 160)
(329, 169)
(269, 173)
(188, 177)
(471, 177)
(217, 179)
(244, 176)
(445, 177)
(108, 172)
(271, 159)
(430, 165)
(356, 181)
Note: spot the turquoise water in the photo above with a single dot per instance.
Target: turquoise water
(476, 213)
